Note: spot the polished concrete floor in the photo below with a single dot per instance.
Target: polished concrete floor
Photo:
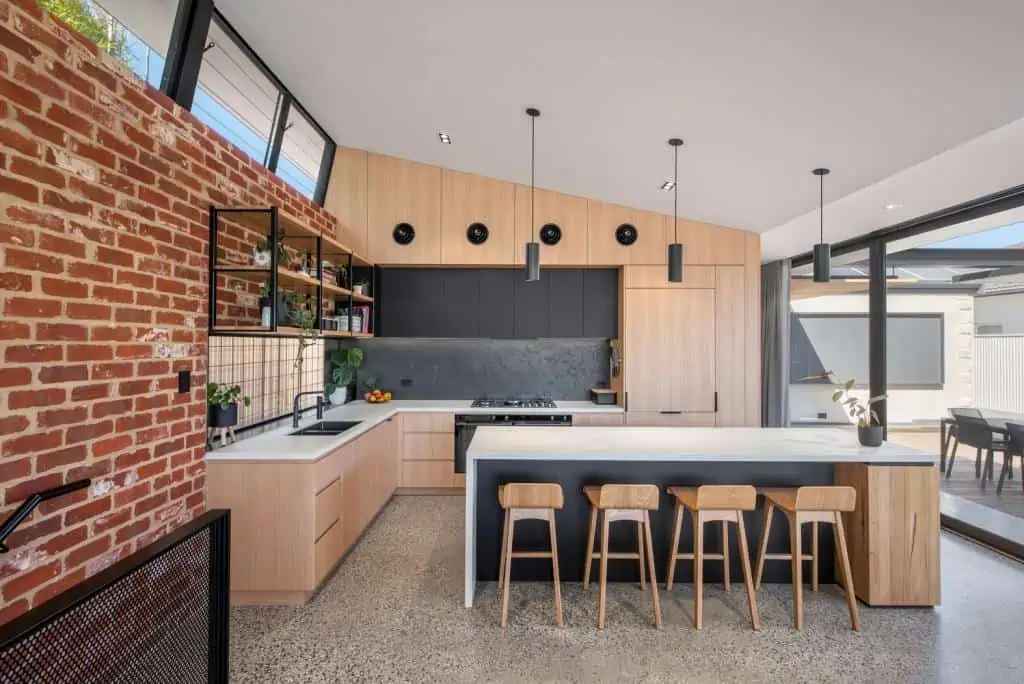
(393, 613)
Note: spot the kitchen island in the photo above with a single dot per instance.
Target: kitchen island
(893, 534)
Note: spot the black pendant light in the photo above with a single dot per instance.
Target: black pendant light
(532, 247)
(675, 250)
(822, 250)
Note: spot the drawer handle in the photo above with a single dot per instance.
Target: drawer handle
(670, 413)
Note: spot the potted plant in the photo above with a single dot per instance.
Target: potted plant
(261, 253)
(359, 288)
(344, 364)
(869, 431)
(223, 402)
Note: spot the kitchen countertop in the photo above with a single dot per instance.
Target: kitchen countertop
(802, 445)
(281, 445)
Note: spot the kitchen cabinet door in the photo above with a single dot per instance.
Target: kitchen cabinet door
(531, 300)
(565, 302)
(707, 244)
(566, 212)
(648, 346)
(730, 345)
(400, 191)
(346, 197)
(467, 200)
(603, 248)
(691, 356)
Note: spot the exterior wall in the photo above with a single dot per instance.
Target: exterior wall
(104, 185)
(1005, 310)
(905, 405)
(999, 372)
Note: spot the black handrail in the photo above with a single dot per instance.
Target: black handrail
(29, 505)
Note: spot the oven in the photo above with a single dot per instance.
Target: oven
(466, 425)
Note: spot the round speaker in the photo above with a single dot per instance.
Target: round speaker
(626, 234)
(477, 233)
(403, 233)
(550, 234)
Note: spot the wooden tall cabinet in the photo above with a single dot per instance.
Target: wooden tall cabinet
(604, 250)
(566, 212)
(466, 200)
(401, 191)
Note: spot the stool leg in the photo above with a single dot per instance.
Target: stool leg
(603, 583)
(675, 547)
(554, 568)
(640, 554)
(508, 568)
(798, 594)
(725, 553)
(698, 569)
(748, 581)
(590, 546)
(501, 559)
(650, 564)
(769, 508)
(844, 560)
(814, 556)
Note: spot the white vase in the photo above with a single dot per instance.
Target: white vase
(339, 396)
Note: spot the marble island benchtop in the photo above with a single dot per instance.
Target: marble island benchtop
(802, 445)
(281, 445)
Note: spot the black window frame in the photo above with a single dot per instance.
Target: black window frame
(181, 78)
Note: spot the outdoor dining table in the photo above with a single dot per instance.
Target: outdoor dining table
(997, 421)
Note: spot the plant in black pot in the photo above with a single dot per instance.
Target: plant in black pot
(344, 364)
(869, 431)
(223, 402)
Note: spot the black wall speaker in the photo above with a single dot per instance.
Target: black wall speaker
(403, 233)
(550, 234)
(477, 233)
(626, 234)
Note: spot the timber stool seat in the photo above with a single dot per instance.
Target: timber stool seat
(710, 503)
(802, 505)
(528, 501)
(622, 502)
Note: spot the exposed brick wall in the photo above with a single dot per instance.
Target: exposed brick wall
(104, 189)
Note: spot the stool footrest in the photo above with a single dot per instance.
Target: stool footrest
(531, 554)
(706, 556)
(613, 556)
(786, 556)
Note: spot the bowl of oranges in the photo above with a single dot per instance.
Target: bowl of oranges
(377, 396)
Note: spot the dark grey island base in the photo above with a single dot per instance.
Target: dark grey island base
(572, 521)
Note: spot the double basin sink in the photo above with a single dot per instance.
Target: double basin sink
(326, 428)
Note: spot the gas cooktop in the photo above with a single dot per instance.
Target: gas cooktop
(532, 402)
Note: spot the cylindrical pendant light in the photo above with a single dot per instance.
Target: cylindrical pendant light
(675, 250)
(822, 250)
(533, 247)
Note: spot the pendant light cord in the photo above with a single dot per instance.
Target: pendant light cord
(675, 199)
(533, 167)
(821, 208)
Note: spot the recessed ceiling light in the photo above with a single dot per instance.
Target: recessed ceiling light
(893, 206)
(444, 137)
(668, 185)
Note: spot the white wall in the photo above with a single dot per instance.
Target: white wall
(1006, 310)
(905, 405)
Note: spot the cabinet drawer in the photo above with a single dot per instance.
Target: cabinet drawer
(584, 419)
(326, 552)
(655, 419)
(330, 467)
(428, 474)
(428, 446)
(328, 508)
(428, 422)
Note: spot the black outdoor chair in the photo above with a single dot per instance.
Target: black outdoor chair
(976, 432)
(1014, 447)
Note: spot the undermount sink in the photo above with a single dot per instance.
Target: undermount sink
(327, 427)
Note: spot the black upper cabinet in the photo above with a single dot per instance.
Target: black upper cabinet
(497, 303)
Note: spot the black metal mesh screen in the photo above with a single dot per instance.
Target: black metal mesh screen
(151, 625)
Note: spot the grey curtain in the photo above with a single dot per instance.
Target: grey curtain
(775, 344)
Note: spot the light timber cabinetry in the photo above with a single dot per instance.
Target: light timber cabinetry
(428, 452)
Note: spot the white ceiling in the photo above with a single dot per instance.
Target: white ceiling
(762, 92)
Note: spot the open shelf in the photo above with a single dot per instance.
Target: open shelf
(292, 281)
(282, 331)
(294, 231)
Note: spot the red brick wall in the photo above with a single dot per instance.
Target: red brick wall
(104, 185)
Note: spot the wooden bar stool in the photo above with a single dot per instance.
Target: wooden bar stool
(622, 502)
(802, 505)
(710, 503)
(528, 501)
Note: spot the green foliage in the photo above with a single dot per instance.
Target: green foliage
(223, 395)
(858, 410)
(93, 23)
(370, 382)
(344, 364)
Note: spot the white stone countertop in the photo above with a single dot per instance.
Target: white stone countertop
(281, 445)
(801, 445)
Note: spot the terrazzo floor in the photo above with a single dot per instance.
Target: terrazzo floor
(393, 613)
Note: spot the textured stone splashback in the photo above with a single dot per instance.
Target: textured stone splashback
(464, 369)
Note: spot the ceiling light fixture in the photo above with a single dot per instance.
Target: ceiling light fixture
(822, 250)
(444, 138)
(668, 185)
(533, 247)
(893, 206)
(675, 250)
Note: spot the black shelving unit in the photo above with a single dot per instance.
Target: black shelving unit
(269, 219)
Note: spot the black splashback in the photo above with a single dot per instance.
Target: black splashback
(465, 369)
